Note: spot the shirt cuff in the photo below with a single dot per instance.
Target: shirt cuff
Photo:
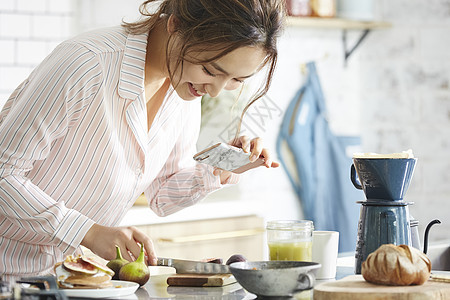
(233, 179)
(72, 230)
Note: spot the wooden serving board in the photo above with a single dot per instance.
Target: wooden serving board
(200, 279)
(355, 287)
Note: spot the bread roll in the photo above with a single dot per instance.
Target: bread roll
(396, 265)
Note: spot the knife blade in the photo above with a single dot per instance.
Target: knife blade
(440, 277)
(188, 266)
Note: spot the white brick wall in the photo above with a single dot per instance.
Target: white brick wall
(8, 53)
(7, 4)
(103, 13)
(29, 31)
(405, 100)
(15, 25)
(32, 6)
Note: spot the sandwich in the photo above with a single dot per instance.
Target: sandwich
(82, 272)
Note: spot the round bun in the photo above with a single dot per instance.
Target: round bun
(396, 265)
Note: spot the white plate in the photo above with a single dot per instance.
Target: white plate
(119, 289)
(126, 288)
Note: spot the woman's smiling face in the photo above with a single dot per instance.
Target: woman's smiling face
(227, 72)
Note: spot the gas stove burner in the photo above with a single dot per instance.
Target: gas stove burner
(40, 287)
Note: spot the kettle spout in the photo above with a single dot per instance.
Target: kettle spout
(425, 241)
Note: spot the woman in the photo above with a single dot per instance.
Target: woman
(115, 112)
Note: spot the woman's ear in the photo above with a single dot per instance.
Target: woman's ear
(172, 24)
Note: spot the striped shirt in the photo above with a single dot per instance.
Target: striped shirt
(75, 150)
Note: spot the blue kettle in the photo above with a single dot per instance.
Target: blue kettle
(381, 222)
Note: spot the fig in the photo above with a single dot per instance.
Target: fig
(136, 271)
(213, 260)
(116, 264)
(98, 264)
(235, 258)
(80, 266)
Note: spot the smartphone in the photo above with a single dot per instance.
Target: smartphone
(227, 157)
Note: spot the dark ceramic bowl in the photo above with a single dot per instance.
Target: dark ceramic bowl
(275, 278)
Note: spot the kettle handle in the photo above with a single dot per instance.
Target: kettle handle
(425, 239)
(353, 178)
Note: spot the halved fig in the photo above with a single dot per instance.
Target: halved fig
(213, 260)
(80, 266)
(97, 263)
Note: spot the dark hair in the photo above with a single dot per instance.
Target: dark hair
(221, 25)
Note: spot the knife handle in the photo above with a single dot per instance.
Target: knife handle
(165, 262)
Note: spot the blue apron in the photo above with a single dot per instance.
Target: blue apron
(317, 164)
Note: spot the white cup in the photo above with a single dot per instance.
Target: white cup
(325, 251)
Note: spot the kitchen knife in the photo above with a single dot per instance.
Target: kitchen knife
(189, 266)
(438, 276)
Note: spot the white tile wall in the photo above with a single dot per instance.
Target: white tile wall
(31, 52)
(8, 54)
(11, 77)
(102, 13)
(48, 27)
(58, 6)
(32, 6)
(29, 31)
(405, 75)
(15, 25)
(7, 4)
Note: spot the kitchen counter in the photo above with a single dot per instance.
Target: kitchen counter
(157, 288)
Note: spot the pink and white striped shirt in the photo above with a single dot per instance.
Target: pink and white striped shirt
(75, 149)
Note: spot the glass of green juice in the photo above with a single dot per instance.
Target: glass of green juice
(290, 239)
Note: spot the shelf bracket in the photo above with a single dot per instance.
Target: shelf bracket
(349, 51)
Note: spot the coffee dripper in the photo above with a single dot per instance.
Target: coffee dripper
(384, 216)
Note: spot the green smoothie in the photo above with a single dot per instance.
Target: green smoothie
(299, 251)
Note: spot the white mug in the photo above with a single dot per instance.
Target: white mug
(325, 251)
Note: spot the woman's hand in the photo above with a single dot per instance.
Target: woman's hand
(102, 241)
(256, 150)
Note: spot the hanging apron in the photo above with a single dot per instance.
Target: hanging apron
(318, 165)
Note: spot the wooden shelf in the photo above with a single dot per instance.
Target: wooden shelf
(335, 23)
(342, 24)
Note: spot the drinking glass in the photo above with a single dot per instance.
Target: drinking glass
(290, 239)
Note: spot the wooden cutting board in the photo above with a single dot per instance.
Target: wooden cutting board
(355, 287)
(200, 279)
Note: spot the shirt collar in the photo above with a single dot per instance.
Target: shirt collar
(131, 82)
